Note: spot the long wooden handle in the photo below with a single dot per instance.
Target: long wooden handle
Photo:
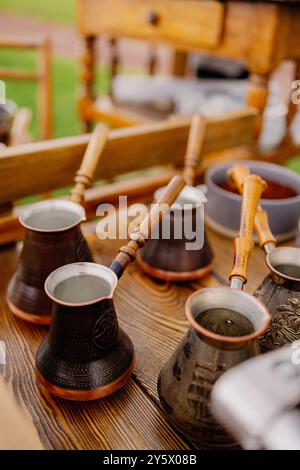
(253, 188)
(128, 252)
(85, 174)
(238, 174)
(162, 206)
(194, 147)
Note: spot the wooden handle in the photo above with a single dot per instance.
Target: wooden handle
(85, 174)
(162, 206)
(243, 244)
(128, 252)
(238, 174)
(194, 147)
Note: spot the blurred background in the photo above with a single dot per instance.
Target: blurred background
(57, 20)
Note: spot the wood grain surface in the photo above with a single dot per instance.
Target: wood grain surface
(189, 22)
(152, 313)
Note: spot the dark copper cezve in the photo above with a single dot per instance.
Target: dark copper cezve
(169, 258)
(53, 238)
(42, 253)
(86, 355)
(225, 324)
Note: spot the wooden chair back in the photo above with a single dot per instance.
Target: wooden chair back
(43, 76)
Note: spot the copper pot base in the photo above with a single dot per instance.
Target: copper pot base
(173, 275)
(85, 395)
(27, 316)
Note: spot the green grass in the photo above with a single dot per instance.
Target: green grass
(294, 163)
(65, 90)
(52, 10)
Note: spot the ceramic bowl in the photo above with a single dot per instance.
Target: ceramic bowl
(297, 241)
(222, 212)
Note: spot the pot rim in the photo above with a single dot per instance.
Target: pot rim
(50, 204)
(274, 270)
(237, 197)
(82, 267)
(226, 339)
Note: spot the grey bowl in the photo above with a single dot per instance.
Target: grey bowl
(222, 212)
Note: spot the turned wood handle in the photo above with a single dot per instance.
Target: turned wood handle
(238, 173)
(253, 188)
(194, 147)
(158, 210)
(85, 174)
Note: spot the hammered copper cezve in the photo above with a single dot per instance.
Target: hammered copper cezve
(169, 259)
(53, 238)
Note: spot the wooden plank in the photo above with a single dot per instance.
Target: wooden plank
(43, 166)
(114, 116)
(127, 420)
(21, 42)
(138, 189)
(18, 75)
(17, 431)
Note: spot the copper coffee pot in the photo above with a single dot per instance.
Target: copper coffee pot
(280, 291)
(225, 325)
(168, 258)
(86, 355)
(53, 238)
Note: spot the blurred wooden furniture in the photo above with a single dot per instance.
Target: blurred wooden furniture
(19, 133)
(261, 34)
(43, 76)
(160, 145)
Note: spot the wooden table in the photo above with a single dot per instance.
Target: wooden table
(152, 313)
(261, 34)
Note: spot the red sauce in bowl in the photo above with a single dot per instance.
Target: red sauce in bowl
(274, 190)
